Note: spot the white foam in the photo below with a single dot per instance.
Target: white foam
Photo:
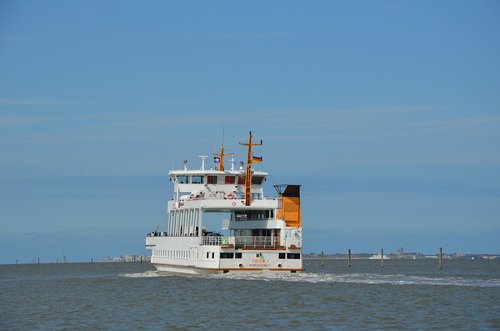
(146, 274)
(354, 278)
(364, 278)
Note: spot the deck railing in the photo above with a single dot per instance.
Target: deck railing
(256, 241)
(215, 240)
(241, 241)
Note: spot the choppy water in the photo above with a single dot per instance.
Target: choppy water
(414, 294)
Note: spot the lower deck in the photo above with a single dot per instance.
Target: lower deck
(188, 256)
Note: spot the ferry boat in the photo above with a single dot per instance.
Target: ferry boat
(262, 233)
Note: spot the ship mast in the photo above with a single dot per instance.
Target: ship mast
(221, 157)
(248, 177)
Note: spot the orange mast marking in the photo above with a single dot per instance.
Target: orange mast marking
(248, 177)
(221, 156)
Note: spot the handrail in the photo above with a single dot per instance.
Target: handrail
(241, 241)
(211, 241)
(215, 241)
(257, 241)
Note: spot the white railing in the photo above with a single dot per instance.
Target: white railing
(241, 241)
(215, 240)
(256, 241)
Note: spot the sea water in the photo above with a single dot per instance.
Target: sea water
(404, 294)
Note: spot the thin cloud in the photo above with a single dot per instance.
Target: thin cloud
(476, 126)
(30, 102)
(249, 35)
(313, 125)
(384, 123)
(19, 120)
(17, 40)
(168, 104)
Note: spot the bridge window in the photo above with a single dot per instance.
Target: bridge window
(293, 256)
(230, 179)
(197, 180)
(182, 179)
(241, 180)
(238, 255)
(211, 179)
(257, 180)
(253, 215)
(226, 255)
(281, 256)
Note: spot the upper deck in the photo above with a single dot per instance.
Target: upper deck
(213, 184)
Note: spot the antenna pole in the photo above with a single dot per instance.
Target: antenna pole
(221, 154)
(221, 168)
(223, 127)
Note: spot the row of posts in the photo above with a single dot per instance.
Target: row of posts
(349, 258)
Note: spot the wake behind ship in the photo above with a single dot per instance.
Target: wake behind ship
(265, 233)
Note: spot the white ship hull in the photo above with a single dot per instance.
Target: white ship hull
(166, 268)
(170, 268)
(194, 255)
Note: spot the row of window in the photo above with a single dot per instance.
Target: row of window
(171, 253)
(227, 180)
(257, 180)
(290, 256)
(225, 255)
(243, 215)
(237, 255)
(231, 255)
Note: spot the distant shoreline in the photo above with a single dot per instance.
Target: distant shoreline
(309, 256)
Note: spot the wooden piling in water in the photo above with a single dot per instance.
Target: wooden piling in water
(322, 263)
(381, 258)
(349, 257)
(440, 258)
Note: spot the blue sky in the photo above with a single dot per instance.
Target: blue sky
(387, 112)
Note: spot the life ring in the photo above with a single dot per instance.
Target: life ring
(230, 195)
(234, 204)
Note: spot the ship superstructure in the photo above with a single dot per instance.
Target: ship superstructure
(261, 233)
